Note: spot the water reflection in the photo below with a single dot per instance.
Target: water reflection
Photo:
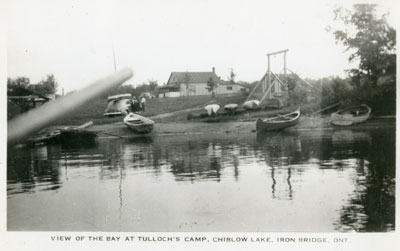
(346, 176)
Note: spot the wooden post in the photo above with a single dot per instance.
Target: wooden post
(284, 63)
(265, 94)
(269, 73)
(280, 81)
(255, 87)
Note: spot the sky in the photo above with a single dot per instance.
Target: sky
(75, 39)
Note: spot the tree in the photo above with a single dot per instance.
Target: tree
(47, 86)
(231, 76)
(153, 84)
(211, 85)
(372, 42)
(18, 87)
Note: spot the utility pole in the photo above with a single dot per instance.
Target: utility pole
(115, 64)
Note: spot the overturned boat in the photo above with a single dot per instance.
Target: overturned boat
(279, 122)
(231, 107)
(350, 116)
(212, 109)
(252, 105)
(138, 124)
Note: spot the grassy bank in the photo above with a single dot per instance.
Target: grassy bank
(94, 110)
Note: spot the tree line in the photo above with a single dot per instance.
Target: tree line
(21, 86)
(371, 44)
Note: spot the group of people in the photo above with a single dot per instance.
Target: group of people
(136, 105)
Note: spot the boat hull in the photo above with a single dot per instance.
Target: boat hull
(351, 116)
(252, 105)
(141, 129)
(139, 124)
(279, 122)
(212, 109)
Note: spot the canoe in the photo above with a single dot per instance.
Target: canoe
(212, 109)
(251, 105)
(279, 122)
(138, 123)
(350, 116)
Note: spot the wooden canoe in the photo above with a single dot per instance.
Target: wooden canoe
(138, 124)
(351, 115)
(279, 122)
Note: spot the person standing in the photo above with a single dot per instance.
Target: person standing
(142, 103)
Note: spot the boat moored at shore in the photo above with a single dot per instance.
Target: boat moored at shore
(351, 115)
(278, 122)
(138, 124)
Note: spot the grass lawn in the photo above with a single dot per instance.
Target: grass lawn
(94, 110)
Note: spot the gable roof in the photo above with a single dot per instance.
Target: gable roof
(192, 77)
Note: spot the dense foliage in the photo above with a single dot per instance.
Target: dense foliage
(21, 86)
(372, 44)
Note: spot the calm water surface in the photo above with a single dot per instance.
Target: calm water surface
(319, 181)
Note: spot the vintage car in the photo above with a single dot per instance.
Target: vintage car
(121, 104)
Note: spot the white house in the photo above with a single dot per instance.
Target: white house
(196, 84)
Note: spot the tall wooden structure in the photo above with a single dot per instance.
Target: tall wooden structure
(270, 84)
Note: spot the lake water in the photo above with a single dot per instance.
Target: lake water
(319, 181)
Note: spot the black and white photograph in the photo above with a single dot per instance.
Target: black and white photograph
(200, 123)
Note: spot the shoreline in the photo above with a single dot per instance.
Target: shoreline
(306, 123)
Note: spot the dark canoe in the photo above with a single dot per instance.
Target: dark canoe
(78, 138)
(138, 124)
(351, 115)
(279, 122)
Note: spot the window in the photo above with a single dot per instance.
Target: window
(229, 88)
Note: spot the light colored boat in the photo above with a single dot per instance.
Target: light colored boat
(230, 107)
(350, 116)
(212, 109)
(138, 123)
(251, 105)
(279, 122)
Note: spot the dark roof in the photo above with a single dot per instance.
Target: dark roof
(192, 77)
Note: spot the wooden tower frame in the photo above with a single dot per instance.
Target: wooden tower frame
(266, 86)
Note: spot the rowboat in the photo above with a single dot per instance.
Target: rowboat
(138, 123)
(212, 109)
(350, 116)
(251, 105)
(279, 122)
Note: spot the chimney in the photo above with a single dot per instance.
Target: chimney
(213, 69)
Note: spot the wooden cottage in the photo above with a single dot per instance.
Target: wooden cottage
(196, 84)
